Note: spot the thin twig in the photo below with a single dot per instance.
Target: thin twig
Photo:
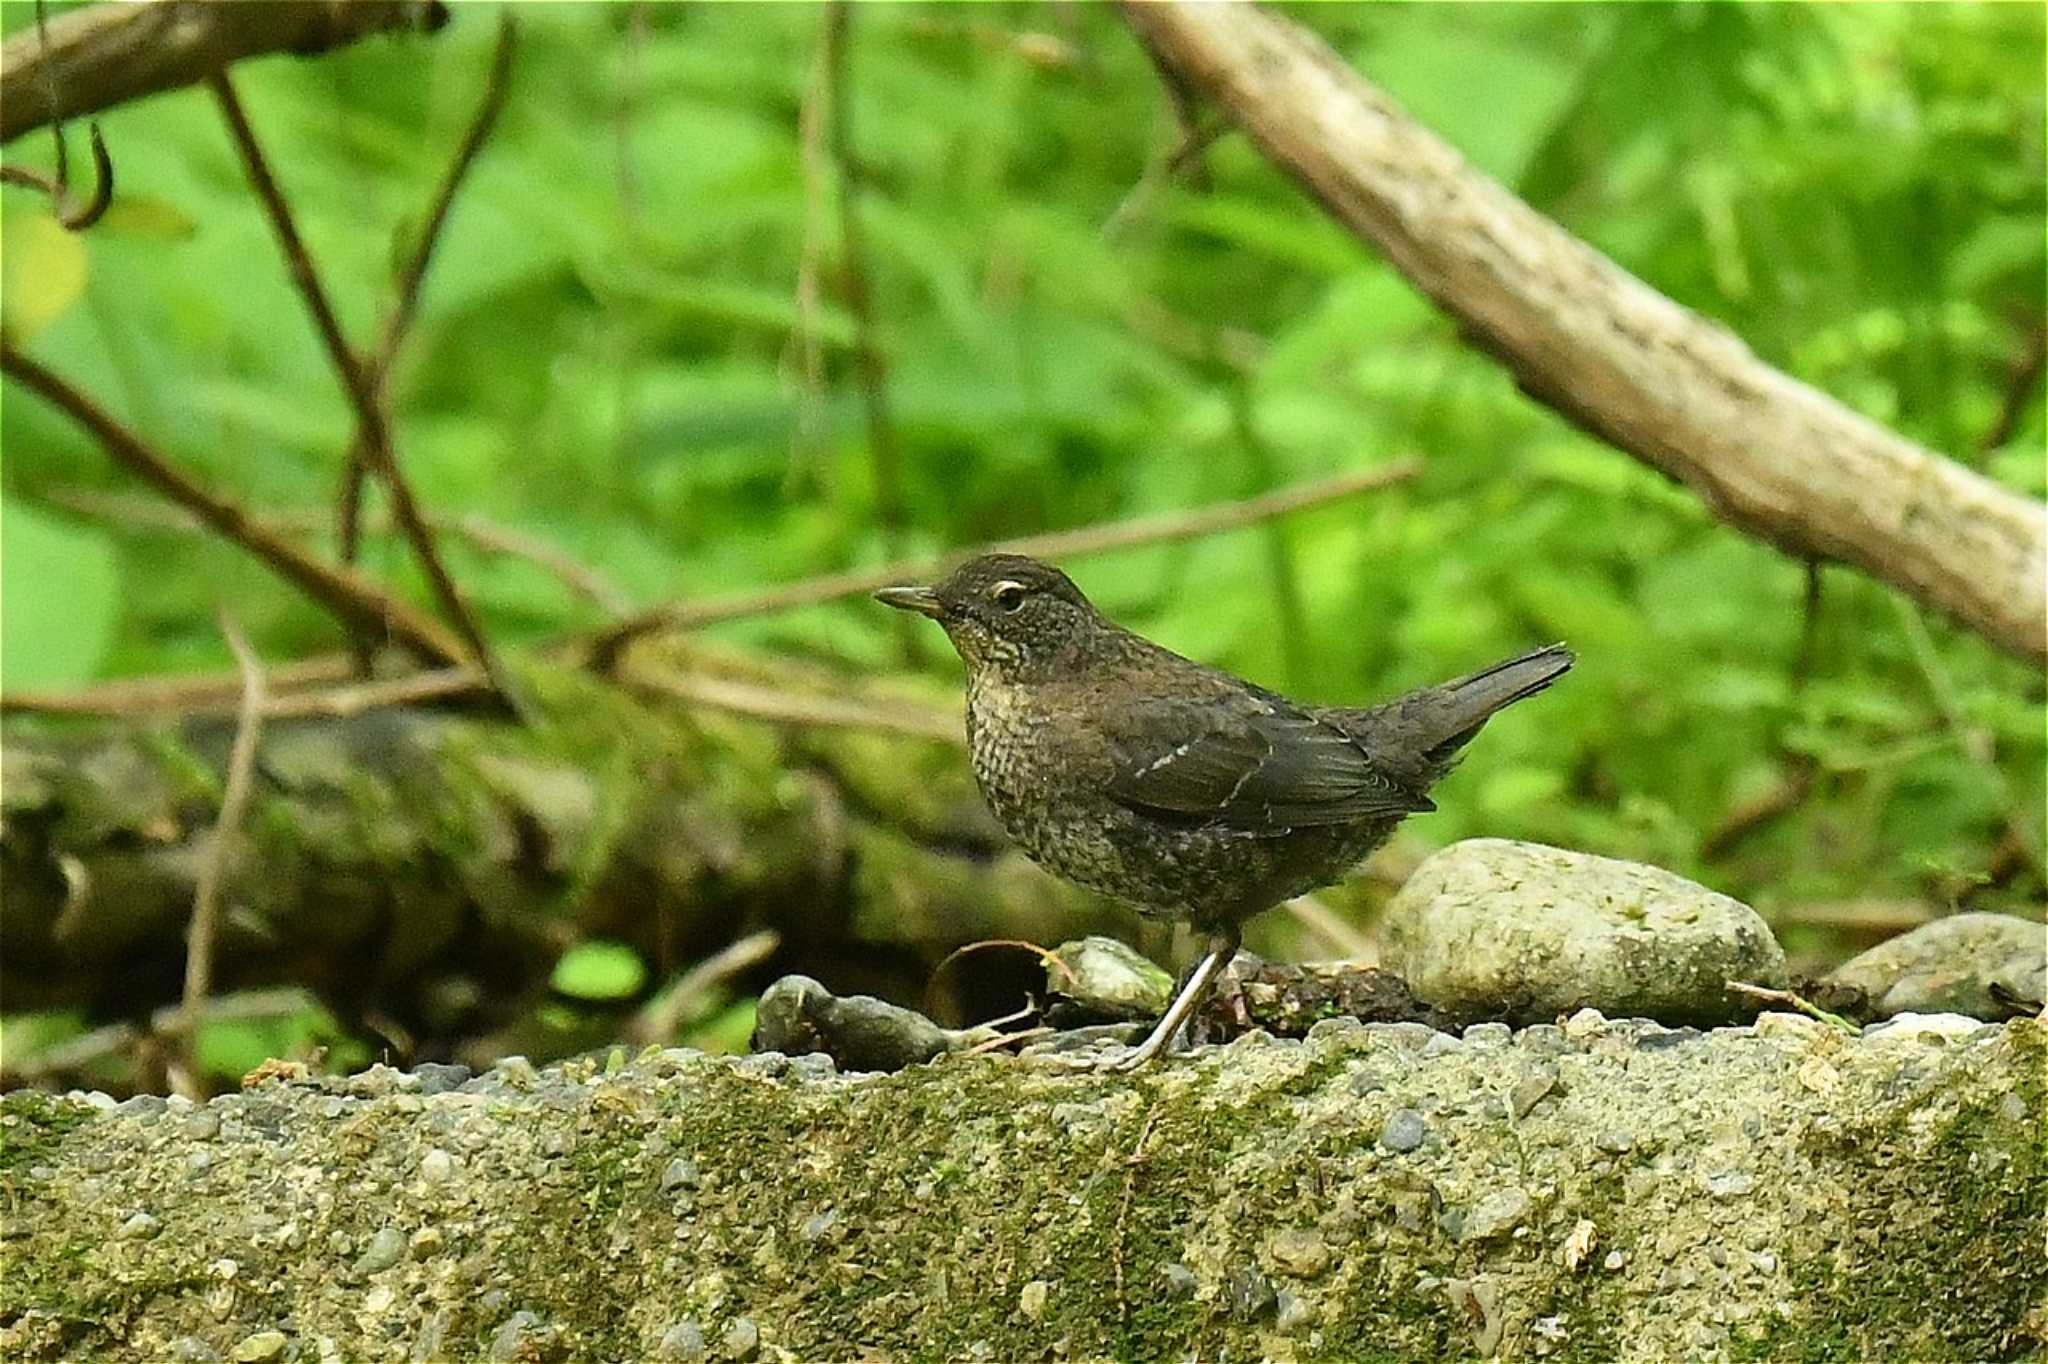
(144, 514)
(2021, 390)
(358, 603)
(890, 513)
(795, 708)
(70, 214)
(811, 123)
(631, 78)
(1291, 611)
(671, 1010)
(213, 871)
(1976, 742)
(1007, 1039)
(1046, 957)
(369, 414)
(1810, 1009)
(355, 698)
(1318, 918)
(1192, 143)
(1100, 538)
(1123, 1207)
(410, 280)
(1746, 817)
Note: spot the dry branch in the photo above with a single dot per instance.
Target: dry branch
(215, 691)
(1769, 454)
(234, 800)
(102, 55)
(493, 537)
(410, 281)
(1097, 539)
(376, 434)
(357, 602)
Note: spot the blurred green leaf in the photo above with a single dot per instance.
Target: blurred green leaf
(598, 970)
(61, 599)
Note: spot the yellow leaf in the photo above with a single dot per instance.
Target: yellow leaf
(42, 272)
(145, 215)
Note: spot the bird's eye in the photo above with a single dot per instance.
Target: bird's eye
(1008, 596)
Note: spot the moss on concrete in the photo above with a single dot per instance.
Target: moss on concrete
(1771, 1193)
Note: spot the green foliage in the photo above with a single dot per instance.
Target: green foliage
(613, 354)
(62, 598)
(228, 1049)
(600, 970)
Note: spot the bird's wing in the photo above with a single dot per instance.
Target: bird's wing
(1250, 762)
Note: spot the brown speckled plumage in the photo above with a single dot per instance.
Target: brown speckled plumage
(1183, 790)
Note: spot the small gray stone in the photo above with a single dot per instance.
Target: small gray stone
(142, 1106)
(1178, 1280)
(386, 1249)
(1247, 1292)
(741, 1338)
(1031, 1301)
(436, 1077)
(1729, 1184)
(1496, 1214)
(682, 1343)
(1330, 1029)
(1950, 965)
(817, 1224)
(259, 1348)
(193, 1350)
(437, 1166)
(429, 1346)
(1300, 1251)
(1489, 924)
(814, 1065)
(509, 1342)
(1531, 1088)
(797, 1015)
(140, 1227)
(1929, 1029)
(1290, 1313)
(1109, 979)
(1412, 1036)
(1489, 1035)
(680, 1173)
(1614, 1141)
(1403, 1130)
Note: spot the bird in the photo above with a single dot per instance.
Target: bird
(1182, 790)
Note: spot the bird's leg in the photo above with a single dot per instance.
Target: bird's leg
(1222, 947)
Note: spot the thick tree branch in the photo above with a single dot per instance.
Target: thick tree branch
(102, 55)
(1769, 454)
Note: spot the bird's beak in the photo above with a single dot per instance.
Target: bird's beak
(918, 599)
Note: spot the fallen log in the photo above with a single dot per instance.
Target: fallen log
(431, 865)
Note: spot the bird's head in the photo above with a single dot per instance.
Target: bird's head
(1006, 613)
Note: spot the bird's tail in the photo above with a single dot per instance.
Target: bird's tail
(1434, 723)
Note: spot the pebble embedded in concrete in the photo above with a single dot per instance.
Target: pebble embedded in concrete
(1403, 1130)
